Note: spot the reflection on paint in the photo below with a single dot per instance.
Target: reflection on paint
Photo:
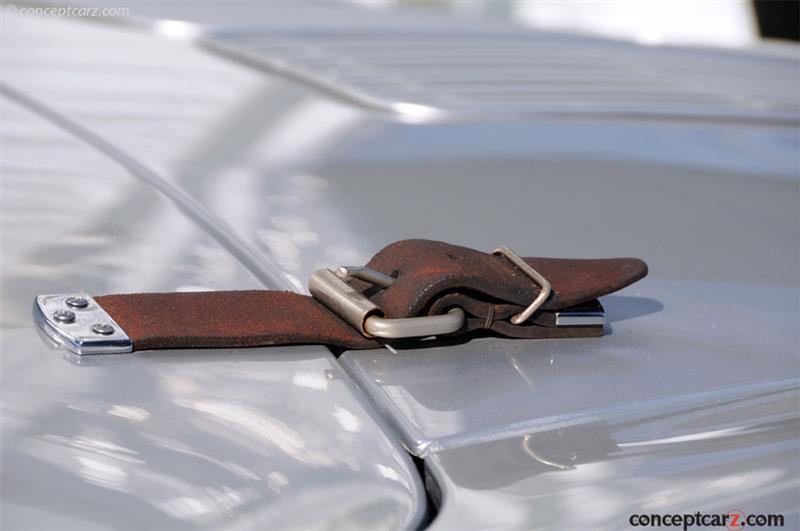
(102, 473)
(253, 423)
(310, 380)
(347, 420)
(132, 413)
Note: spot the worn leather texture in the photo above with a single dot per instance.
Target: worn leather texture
(431, 278)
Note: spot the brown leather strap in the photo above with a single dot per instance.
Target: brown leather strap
(431, 277)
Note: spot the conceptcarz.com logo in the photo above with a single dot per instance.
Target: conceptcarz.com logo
(734, 520)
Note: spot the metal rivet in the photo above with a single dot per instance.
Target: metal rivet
(64, 316)
(103, 329)
(77, 302)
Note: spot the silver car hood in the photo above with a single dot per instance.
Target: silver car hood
(136, 163)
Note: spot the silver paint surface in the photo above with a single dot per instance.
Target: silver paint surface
(244, 179)
(250, 439)
(735, 454)
(443, 397)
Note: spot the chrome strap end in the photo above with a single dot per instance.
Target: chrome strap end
(589, 314)
(76, 322)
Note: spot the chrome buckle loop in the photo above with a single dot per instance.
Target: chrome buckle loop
(333, 290)
(544, 293)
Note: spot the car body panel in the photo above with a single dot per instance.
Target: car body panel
(201, 171)
(442, 397)
(598, 473)
(163, 440)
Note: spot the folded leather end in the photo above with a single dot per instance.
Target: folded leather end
(576, 281)
(636, 268)
(619, 273)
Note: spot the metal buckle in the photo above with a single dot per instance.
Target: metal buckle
(332, 289)
(525, 314)
(589, 314)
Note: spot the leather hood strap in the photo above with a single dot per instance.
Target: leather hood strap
(431, 277)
